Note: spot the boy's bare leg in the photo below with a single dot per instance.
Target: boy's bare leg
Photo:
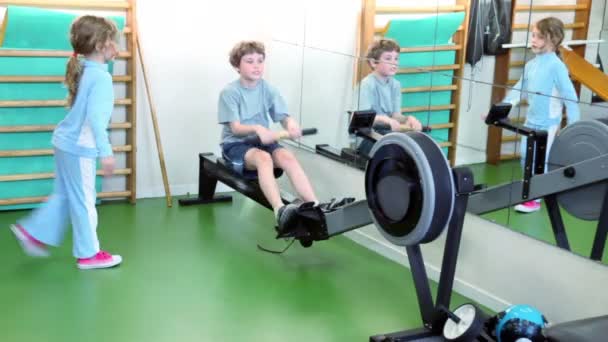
(288, 162)
(256, 159)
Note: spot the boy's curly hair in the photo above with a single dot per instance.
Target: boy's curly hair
(380, 46)
(243, 48)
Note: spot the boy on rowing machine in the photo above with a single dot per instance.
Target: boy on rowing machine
(245, 106)
(381, 92)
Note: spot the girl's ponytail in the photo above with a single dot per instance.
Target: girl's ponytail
(72, 77)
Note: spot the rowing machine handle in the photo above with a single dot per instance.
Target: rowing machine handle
(254, 139)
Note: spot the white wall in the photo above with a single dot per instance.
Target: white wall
(186, 48)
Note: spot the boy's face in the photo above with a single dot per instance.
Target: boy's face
(387, 64)
(540, 43)
(251, 67)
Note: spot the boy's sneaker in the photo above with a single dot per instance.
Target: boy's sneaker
(286, 216)
(528, 207)
(30, 245)
(100, 260)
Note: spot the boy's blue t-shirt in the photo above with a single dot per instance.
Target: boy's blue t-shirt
(249, 106)
(382, 96)
(83, 131)
(547, 87)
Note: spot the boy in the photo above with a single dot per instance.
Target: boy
(244, 107)
(379, 91)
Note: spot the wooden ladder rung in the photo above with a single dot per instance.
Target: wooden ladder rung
(421, 9)
(424, 89)
(49, 128)
(424, 69)
(510, 138)
(445, 144)
(443, 126)
(52, 79)
(30, 200)
(509, 156)
(382, 29)
(427, 108)
(550, 8)
(566, 26)
(48, 175)
(432, 48)
(50, 103)
(50, 152)
(49, 53)
(107, 5)
(517, 64)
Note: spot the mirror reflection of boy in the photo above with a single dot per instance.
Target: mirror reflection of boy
(381, 92)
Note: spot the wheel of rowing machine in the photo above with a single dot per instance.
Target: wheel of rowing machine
(305, 243)
(472, 320)
(409, 188)
(578, 142)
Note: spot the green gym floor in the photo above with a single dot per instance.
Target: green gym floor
(580, 233)
(195, 274)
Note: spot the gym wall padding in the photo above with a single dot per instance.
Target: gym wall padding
(427, 31)
(29, 28)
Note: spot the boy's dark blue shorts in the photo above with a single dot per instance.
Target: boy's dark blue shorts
(234, 154)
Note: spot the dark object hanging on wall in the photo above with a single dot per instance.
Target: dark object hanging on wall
(489, 28)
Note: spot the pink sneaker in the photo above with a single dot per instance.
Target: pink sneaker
(100, 260)
(30, 245)
(528, 207)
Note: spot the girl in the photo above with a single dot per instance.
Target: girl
(547, 88)
(78, 140)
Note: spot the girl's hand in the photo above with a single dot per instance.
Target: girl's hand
(107, 164)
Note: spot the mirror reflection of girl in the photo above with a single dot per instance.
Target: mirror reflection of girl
(546, 86)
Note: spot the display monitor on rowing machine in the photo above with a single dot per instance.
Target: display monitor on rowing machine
(499, 112)
(361, 119)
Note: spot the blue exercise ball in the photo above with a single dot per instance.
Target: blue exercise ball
(520, 323)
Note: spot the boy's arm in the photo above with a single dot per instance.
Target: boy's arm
(568, 94)
(278, 106)
(98, 113)
(366, 96)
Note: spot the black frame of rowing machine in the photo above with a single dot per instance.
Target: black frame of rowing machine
(361, 124)
(434, 315)
(210, 171)
(536, 143)
(315, 224)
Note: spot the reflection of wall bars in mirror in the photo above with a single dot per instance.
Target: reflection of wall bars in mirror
(375, 20)
(565, 43)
